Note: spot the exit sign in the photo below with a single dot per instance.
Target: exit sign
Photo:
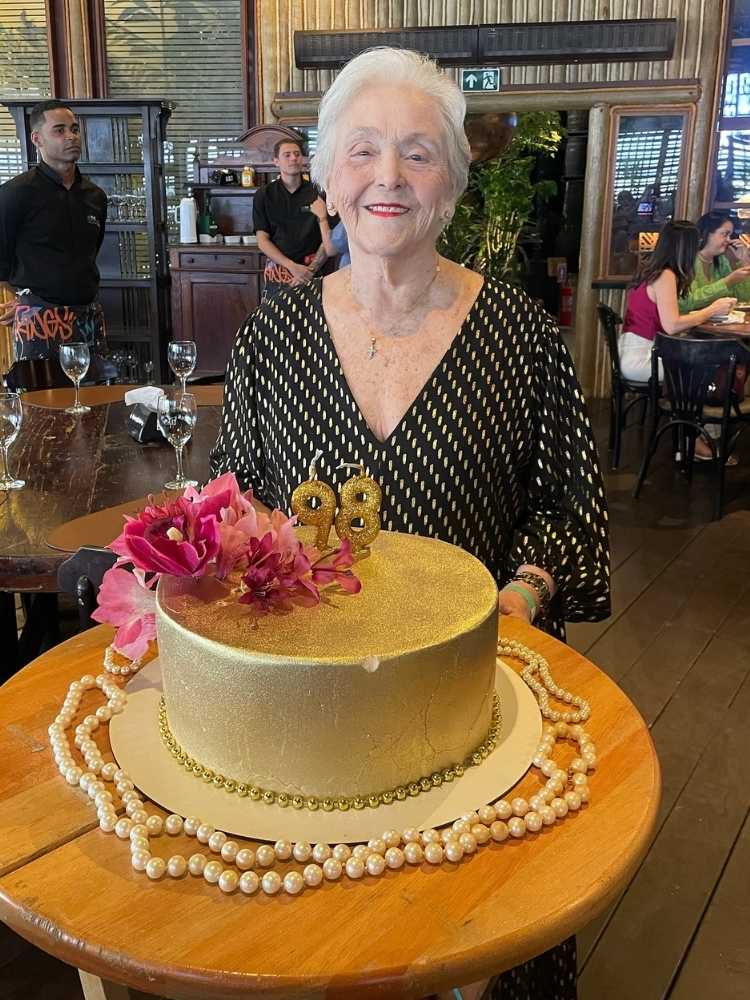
(480, 81)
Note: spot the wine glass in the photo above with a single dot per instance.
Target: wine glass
(177, 413)
(182, 355)
(74, 361)
(11, 415)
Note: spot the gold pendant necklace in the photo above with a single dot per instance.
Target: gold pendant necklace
(373, 348)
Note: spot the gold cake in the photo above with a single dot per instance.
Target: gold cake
(360, 694)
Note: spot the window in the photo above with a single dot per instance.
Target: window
(189, 52)
(24, 70)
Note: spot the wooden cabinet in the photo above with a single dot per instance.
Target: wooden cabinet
(213, 290)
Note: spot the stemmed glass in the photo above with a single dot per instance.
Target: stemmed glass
(177, 413)
(74, 361)
(11, 415)
(182, 355)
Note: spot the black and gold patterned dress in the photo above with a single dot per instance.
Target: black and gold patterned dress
(495, 454)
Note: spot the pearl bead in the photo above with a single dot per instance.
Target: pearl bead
(104, 713)
(128, 797)
(433, 852)
(294, 883)
(548, 815)
(124, 786)
(332, 869)
(503, 809)
(392, 838)
(216, 841)
(283, 850)
(140, 844)
(123, 828)
(394, 857)
(73, 775)
(271, 883)
(312, 875)
(454, 851)
(229, 850)
(430, 837)
(265, 856)
(245, 859)
(354, 868)
(191, 825)
(107, 824)
(101, 798)
(341, 852)
(448, 834)
(560, 806)
(461, 826)
(212, 871)
(249, 883)
(499, 831)
(590, 759)
(413, 853)
(321, 852)
(519, 806)
(375, 864)
(361, 852)
(480, 832)
(138, 830)
(536, 802)
(155, 825)
(580, 781)
(176, 866)
(574, 800)
(468, 842)
(203, 832)
(228, 880)
(471, 818)
(302, 851)
(196, 864)
(579, 764)
(487, 815)
(138, 815)
(516, 826)
(139, 860)
(173, 824)
(583, 791)
(533, 821)
(377, 846)
(410, 836)
(87, 682)
(156, 868)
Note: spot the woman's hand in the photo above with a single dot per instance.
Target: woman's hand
(721, 306)
(515, 605)
(740, 251)
(739, 274)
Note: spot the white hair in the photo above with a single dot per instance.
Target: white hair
(394, 66)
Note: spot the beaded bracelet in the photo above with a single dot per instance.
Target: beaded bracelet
(527, 596)
(537, 583)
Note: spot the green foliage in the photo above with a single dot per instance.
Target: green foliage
(501, 197)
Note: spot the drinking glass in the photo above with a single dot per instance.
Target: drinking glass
(11, 415)
(74, 361)
(177, 413)
(182, 355)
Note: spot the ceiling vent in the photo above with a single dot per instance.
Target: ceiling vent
(555, 42)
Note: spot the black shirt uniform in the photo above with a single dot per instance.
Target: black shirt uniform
(286, 216)
(50, 235)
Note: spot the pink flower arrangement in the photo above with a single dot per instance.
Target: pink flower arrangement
(213, 532)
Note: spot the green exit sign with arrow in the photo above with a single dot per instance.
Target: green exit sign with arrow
(480, 81)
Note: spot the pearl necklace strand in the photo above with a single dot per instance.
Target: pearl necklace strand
(565, 790)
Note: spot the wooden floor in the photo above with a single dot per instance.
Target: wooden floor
(679, 644)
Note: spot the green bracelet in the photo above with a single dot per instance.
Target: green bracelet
(527, 596)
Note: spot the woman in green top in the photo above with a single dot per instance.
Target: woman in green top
(722, 266)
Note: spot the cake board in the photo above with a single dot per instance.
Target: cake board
(138, 749)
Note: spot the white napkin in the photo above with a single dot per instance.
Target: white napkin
(146, 395)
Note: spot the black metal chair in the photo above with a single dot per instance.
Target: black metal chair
(694, 371)
(621, 387)
(38, 373)
(81, 576)
(207, 378)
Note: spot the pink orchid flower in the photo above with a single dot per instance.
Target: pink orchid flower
(180, 538)
(129, 603)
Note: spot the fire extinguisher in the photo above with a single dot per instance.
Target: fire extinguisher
(566, 305)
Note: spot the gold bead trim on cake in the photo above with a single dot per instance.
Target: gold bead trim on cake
(342, 803)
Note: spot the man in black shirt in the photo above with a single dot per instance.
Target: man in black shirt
(290, 221)
(51, 228)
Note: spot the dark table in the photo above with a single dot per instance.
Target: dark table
(74, 466)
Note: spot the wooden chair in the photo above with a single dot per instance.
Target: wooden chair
(620, 405)
(81, 576)
(693, 370)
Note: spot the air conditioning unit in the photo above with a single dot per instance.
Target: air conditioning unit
(500, 44)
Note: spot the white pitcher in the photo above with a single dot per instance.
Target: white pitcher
(187, 216)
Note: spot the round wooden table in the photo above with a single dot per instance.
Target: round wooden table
(70, 889)
(100, 395)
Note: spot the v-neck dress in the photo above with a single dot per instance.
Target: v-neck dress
(495, 454)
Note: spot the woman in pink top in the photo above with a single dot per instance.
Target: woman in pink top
(651, 305)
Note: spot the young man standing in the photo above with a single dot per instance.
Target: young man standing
(290, 221)
(51, 228)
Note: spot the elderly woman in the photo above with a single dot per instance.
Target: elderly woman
(455, 392)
